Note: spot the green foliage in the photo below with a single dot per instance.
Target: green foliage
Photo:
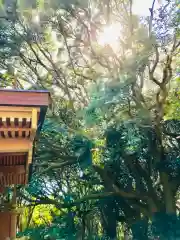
(37, 216)
(41, 4)
(173, 108)
(108, 155)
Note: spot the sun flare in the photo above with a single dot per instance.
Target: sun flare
(110, 36)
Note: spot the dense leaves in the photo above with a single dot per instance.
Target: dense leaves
(108, 155)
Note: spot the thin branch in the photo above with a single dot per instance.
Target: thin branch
(69, 54)
(151, 18)
(152, 70)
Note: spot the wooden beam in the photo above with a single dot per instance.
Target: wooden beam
(4, 121)
(12, 145)
(30, 154)
(14, 114)
(14, 129)
(17, 112)
(33, 124)
(20, 120)
(17, 109)
(12, 121)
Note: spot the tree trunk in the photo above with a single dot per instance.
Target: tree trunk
(169, 197)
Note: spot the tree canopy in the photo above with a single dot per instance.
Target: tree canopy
(106, 165)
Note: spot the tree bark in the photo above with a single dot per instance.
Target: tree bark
(169, 196)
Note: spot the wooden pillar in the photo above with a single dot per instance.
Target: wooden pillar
(8, 223)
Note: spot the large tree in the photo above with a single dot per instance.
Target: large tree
(111, 146)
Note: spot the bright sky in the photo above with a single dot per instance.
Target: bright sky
(110, 34)
(141, 7)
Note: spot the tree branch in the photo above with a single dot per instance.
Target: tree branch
(94, 196)
(120, 192)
